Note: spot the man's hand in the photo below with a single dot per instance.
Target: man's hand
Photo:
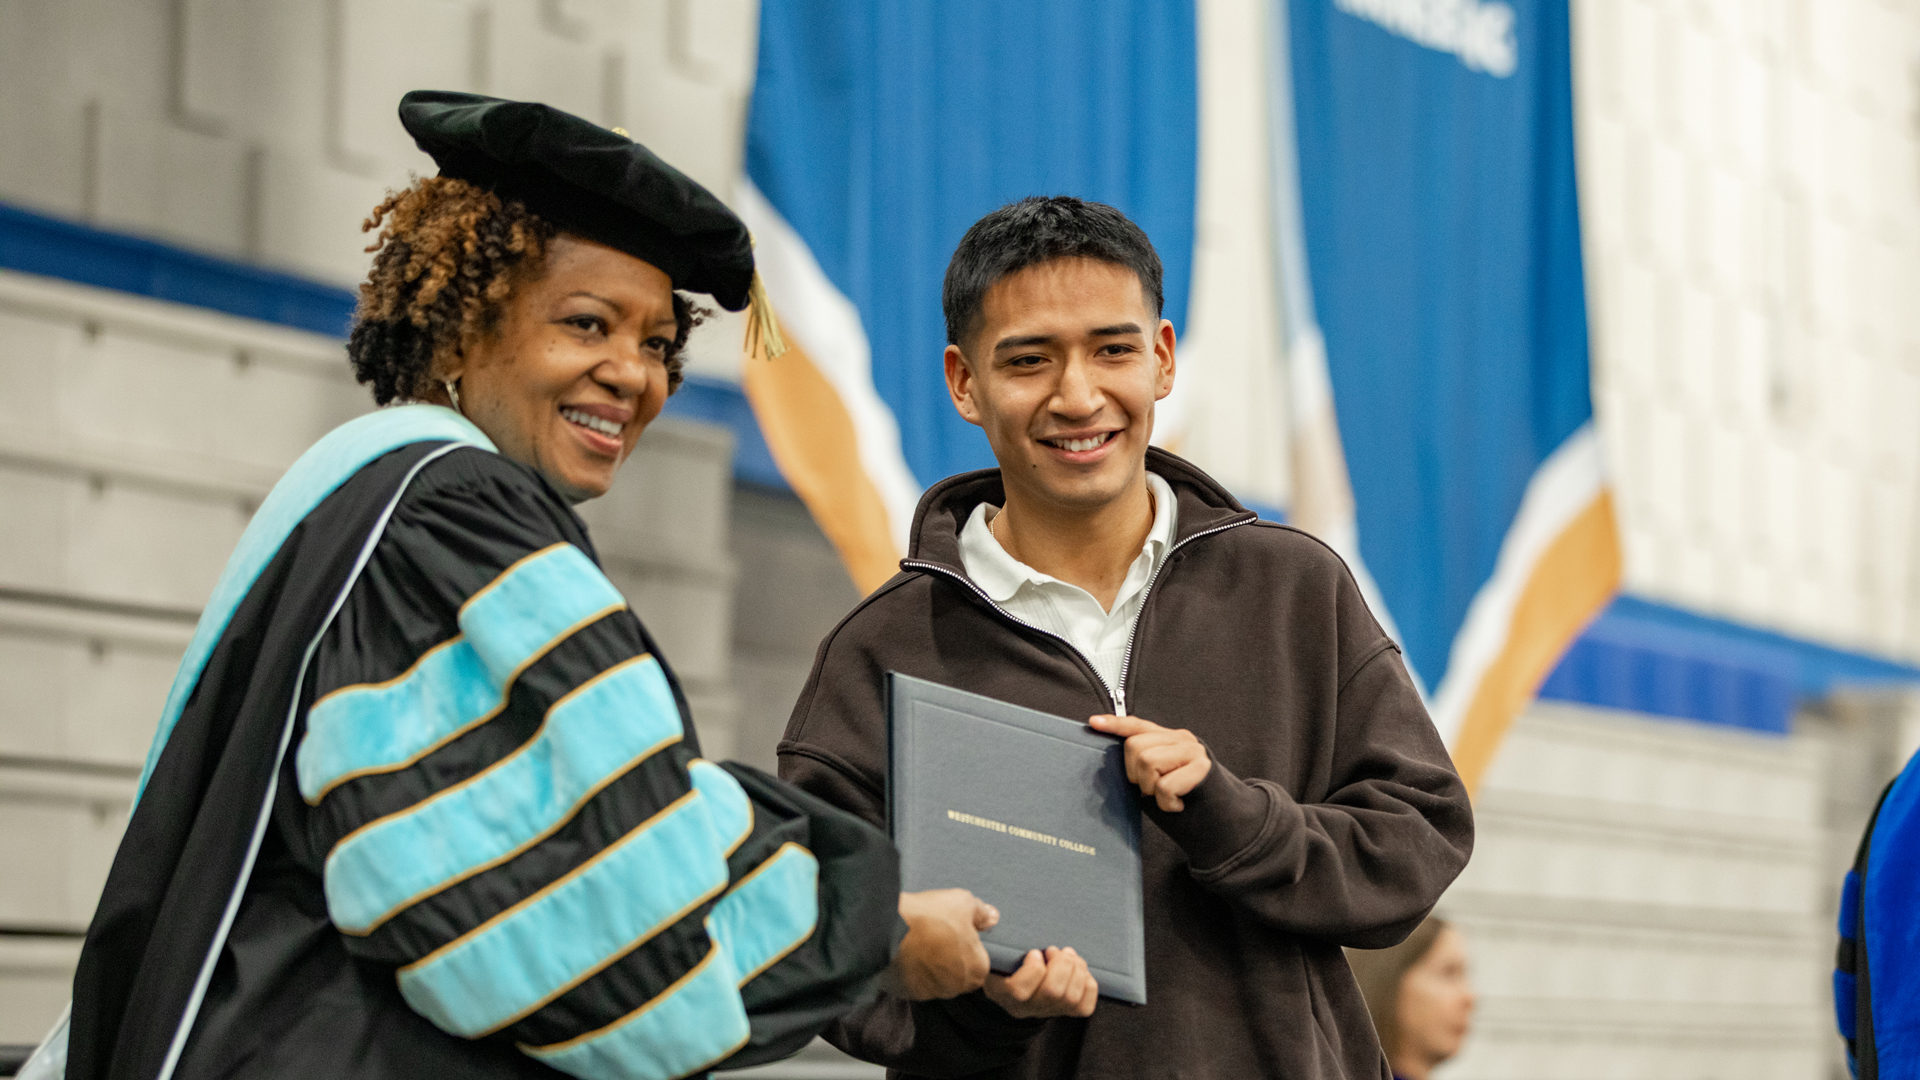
(1166, 762)
(1057, 984)
(941, 956)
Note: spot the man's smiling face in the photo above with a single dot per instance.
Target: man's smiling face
(1062, 372)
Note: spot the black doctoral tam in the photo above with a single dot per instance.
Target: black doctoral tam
(590, 181)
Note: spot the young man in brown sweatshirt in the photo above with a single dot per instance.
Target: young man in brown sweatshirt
(1297, 798)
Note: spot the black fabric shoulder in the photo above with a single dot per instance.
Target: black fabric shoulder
(466, 518)
(469, 516)
(475, 489)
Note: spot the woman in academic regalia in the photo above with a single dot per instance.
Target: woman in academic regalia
(426, 800)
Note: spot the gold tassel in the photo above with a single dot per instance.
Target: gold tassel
(763, 328)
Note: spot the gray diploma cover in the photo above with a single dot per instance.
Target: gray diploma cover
(1029, 811)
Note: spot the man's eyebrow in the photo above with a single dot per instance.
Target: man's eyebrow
(1022, 342)
(1116, 330)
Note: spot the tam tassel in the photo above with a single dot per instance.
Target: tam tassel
(763, 328)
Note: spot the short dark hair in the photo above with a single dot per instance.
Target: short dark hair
(1040, 229)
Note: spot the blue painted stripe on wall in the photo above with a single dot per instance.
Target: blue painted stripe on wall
(1815, 668)
(694, 1024)
(37, 244)
(629, 893)
(1638, 676)
(1648, 657)
(770, 913)
(589, 738)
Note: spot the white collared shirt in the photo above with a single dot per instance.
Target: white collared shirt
(1065, 609)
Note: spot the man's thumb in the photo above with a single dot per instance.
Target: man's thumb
(985, 915)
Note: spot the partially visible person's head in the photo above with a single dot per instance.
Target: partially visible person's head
(1418, 993)
(559, 348)
(1056, 347)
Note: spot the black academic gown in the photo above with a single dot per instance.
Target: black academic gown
(491, 849)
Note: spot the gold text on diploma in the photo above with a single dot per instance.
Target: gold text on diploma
(1015, 830)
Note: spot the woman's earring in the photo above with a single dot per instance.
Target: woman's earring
(453, 392)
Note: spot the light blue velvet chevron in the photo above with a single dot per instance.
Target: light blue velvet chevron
(770, 913)
(510, 622)
(318, 473)
(554, 940)
(521, 615)
(381, 727)
(588, 739)
(698, 1021)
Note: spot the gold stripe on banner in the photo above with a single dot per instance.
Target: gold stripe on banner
(814, 442)
(1575, 578)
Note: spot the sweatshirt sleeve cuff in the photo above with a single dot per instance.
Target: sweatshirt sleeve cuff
(985, 1024)
(1222, 817)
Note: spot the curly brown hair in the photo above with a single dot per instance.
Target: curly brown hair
(446, 258)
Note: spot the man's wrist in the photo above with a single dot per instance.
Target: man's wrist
(1222, 816)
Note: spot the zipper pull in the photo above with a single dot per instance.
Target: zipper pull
(1119, 701)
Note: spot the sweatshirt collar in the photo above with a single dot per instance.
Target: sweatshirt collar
(1203, 505)
(995, 569)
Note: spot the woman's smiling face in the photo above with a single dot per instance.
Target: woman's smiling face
(576, 367)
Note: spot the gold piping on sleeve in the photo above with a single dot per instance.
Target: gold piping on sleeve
(617, 954)
(797, 942)
(555, 1048)
(447, 792)
(506, 692)
(386, 683)
(611, 958)
(508, 572)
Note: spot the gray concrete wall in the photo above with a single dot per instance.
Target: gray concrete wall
(1653, 899)
(266, 130)
(790, 593)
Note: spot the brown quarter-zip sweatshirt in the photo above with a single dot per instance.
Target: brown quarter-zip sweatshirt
(1332, 815)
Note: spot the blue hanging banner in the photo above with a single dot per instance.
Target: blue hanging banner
(1435, 240)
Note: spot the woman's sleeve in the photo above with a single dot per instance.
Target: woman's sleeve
(512, 812)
